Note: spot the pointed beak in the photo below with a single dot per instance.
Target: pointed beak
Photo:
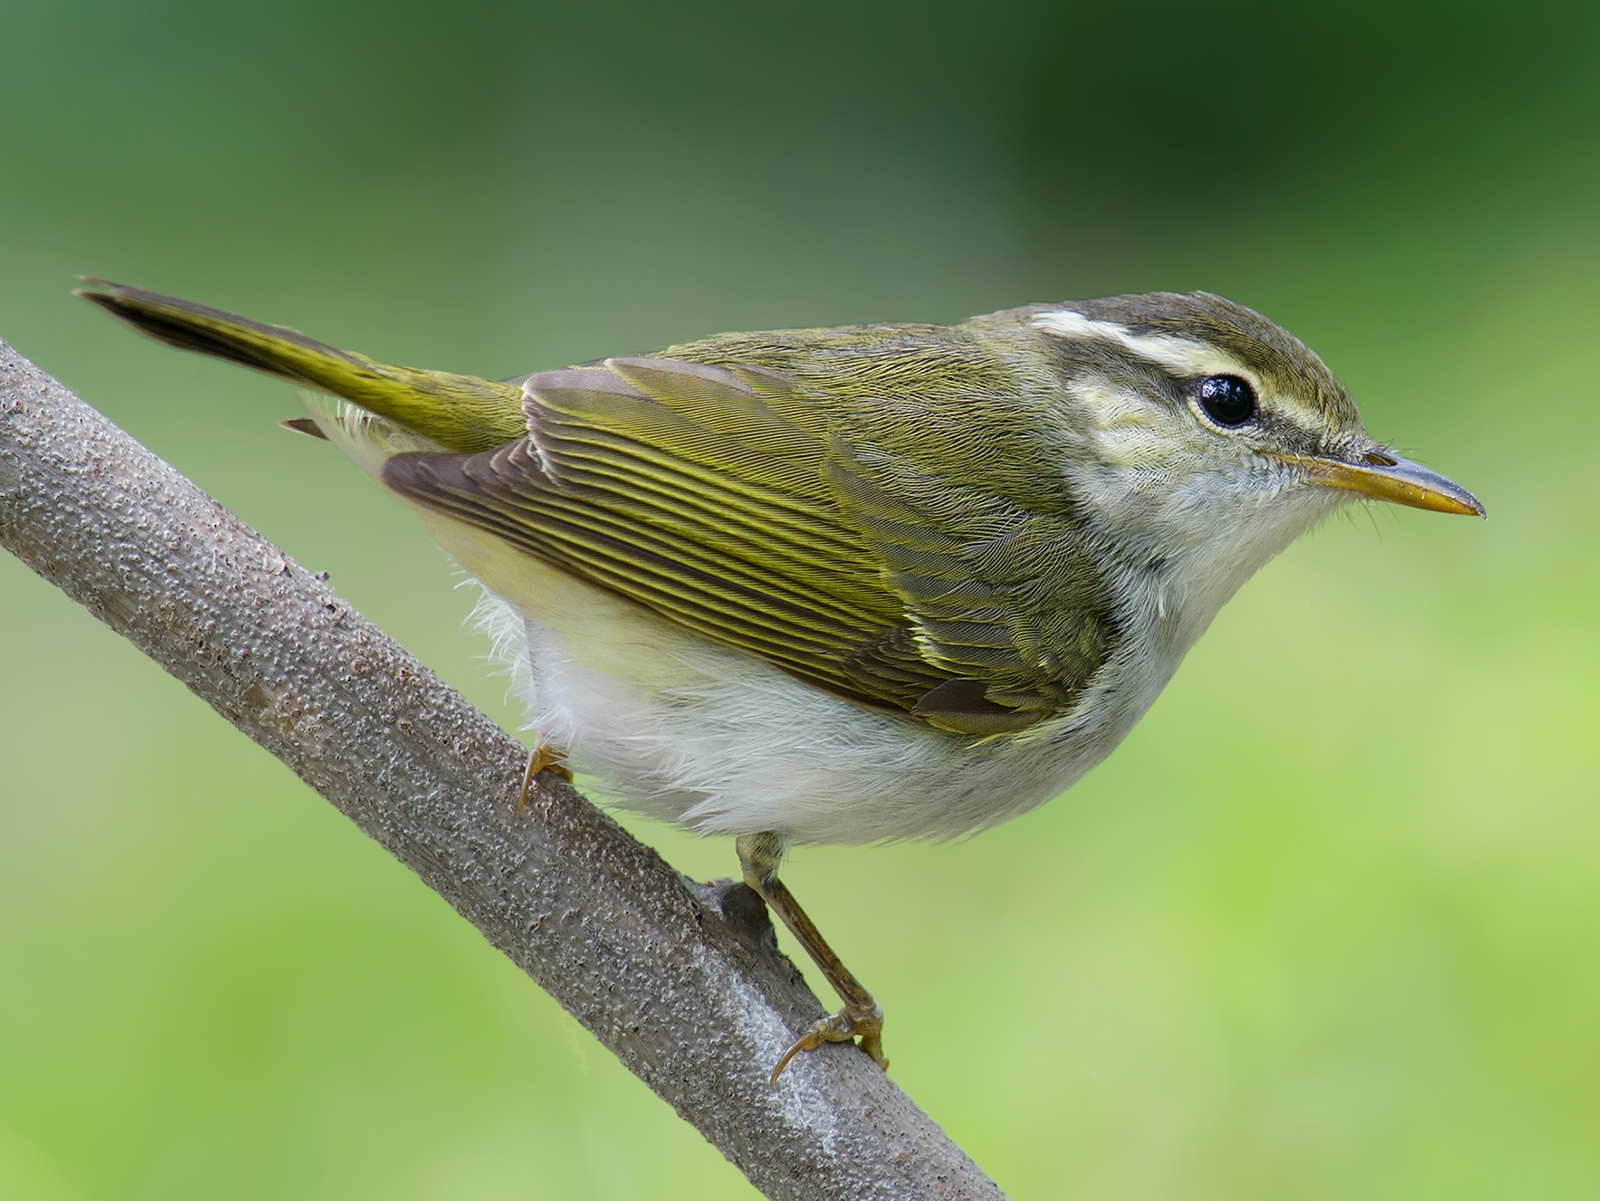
(1377, 474)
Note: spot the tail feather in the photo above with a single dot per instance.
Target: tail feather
(462, 413)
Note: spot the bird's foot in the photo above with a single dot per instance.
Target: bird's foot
(845, 1026)
(543, 757)
(861, 1016)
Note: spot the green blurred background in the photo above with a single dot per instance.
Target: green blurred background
(1327, 925)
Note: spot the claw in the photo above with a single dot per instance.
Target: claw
(542, 758)
(842, 1027)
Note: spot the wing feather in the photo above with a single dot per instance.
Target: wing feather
(746, 500)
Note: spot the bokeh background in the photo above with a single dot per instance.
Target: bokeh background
(1326, 926)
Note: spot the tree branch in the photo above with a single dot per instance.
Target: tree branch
(682, 982)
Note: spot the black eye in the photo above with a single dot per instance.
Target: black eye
(1227, 399)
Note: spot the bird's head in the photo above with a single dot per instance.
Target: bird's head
(1199, 433)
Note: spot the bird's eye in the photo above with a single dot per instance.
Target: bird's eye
(1227, 399)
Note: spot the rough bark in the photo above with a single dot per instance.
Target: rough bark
(682, 982)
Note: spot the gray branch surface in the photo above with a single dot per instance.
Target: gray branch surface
(682, 982)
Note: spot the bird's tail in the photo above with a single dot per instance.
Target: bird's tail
(461, 413)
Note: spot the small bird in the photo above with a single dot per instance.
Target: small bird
(856, 584)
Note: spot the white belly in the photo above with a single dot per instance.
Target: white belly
(687, 730)
(692, 732)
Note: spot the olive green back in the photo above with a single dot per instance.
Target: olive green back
(860, 507)
(823, 499)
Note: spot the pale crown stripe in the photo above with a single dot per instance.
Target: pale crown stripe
(1181, 356)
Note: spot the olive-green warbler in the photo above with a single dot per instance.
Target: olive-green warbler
(843, 585)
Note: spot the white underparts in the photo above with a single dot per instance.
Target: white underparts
(687, 730)
(724, 743)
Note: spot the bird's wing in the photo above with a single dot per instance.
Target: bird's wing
(747, 505)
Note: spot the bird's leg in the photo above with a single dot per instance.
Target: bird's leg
(861, 1017)
(543, 757)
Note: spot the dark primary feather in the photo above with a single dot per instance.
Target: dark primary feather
(827, 500)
